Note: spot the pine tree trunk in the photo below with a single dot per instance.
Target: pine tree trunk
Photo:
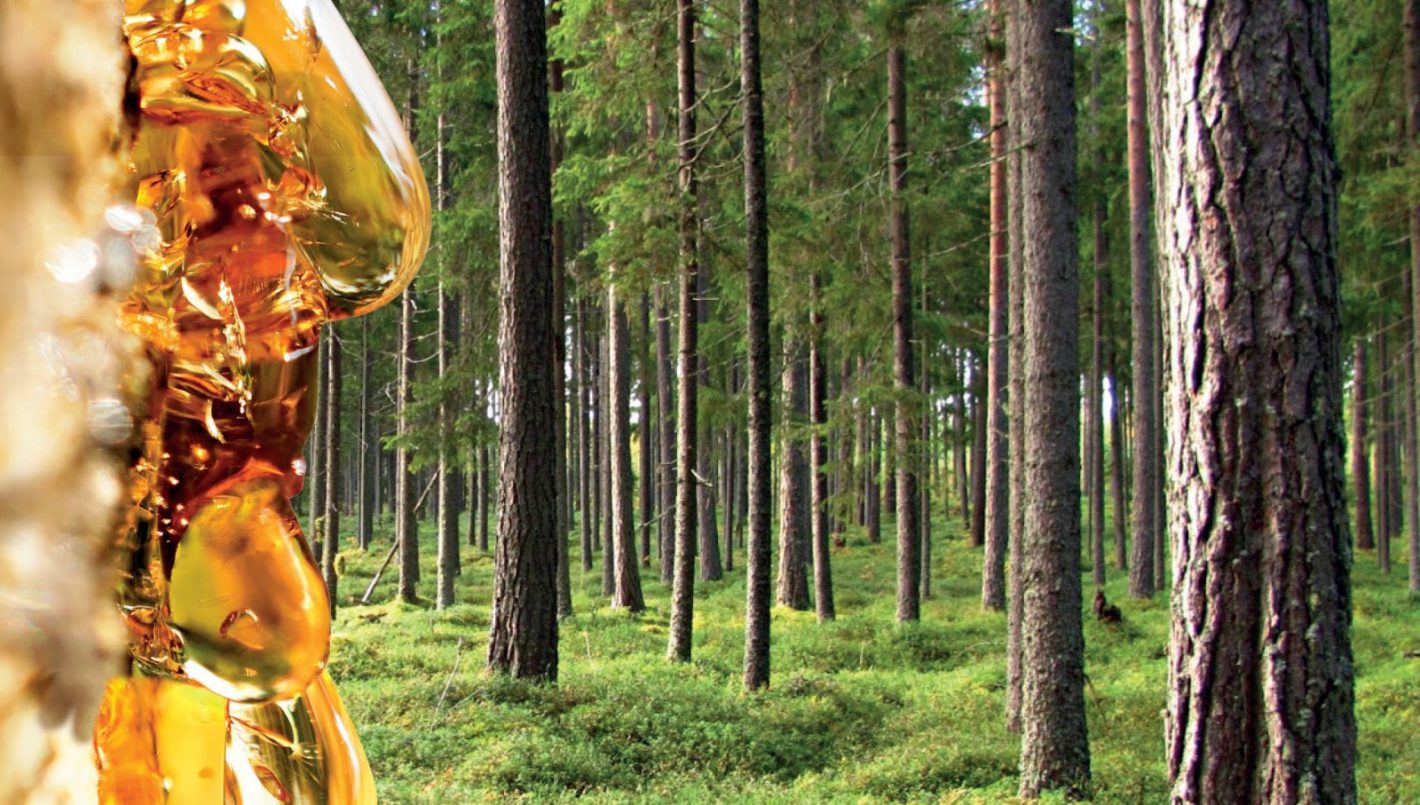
(1055, 752)
(1141, 567)
(406, 526)
(1412, 133)
(559, 354)
(909, 556)
(924, 489)
(584, 474)
(367, 484)
(647, 437)
(998, 493)
(683, 593)
(627, 589)
(793, 587)
(606, 411)
(1260, 705)
(1016, 397)
(665, 406)
(523, 635)
(1117, 464)
(757, 486)
(1360, 467)
(1384, 441)
(315, 464)
(446, 526)
(978, 454)
(1094, 427)
(330, 540)
(818, 459)
(711, 568)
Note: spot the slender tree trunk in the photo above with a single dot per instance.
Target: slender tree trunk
(924, 489)
(818, 459)
(1385, 526)
(757, 556)
(583, 374)
(1055, 751)
(1360, 467)
(1094, 428)
(406, 525)
(793, 587)
(523, 636)
(847, 490)
(683, 594)
(1260, 705)
(559, 354)
(1412, 133)
(485, 491)
(909, 556)
(315, 478)
(647, 430)
(666, 407)
(1141, 569)
(607, 410)
(1117, 464)
(1015, 216)
(978, 454)
(706, 486)
(367, 466)
(446, 527)
(998, 493)
(330, 542)
(627, 591)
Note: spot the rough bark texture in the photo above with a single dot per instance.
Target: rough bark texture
(59, 492)
(627, 590)
(757, 536)
(1016, 396)
(998, 492)
(1384, 432)
(1141, 566)
(648, 438)
(330, 541)
(683, 594)
(979, 420)
(523, 639)
(909, 556)
(1094, 423)
(1260, 705)
(1360, 467)
(793, 584)
(1055, 750)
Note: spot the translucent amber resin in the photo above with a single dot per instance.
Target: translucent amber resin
(271, 188)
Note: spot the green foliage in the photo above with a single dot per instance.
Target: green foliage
(859, 710)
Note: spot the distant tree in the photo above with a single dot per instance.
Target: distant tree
(330, 540)
(1360, 466)
(523, 639)
(793, 584)
(1260, 704)
(627, 588)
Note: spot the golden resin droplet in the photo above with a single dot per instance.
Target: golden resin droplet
(245, 597)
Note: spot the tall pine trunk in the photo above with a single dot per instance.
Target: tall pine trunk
(1141, 566)
(998, 493)
(1055, 753)
(793, 586)
(523, 635)
(627, 588)
(683, 592)
(665, 407)
(1260, 705)
(330, 542)
(909, 557)
(1360, 467)
(1412, 134)
(757, 558)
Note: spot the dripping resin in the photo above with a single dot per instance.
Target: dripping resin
(283, 193)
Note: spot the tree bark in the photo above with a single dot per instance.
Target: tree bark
(583, 374)
(1360, 467)
(523, 636)
(998, 493)
(979, 419)
(406, 524)
(757, 533)
(818, 459)
(909, 556)
(559, 352)
(683, 593)
(1094, 427)
(706, 487)
(666, 407)
(793, 586)
(646, 446)
(1141, 566)
(1384, 441)
(1055, 752)
(330, 542)
(1412, 133)
(1015, 216)
(1260, 705)
(627, 592)
(367, 491)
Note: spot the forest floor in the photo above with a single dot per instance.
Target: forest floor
(859, 710)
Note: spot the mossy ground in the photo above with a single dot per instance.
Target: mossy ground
(860, 710)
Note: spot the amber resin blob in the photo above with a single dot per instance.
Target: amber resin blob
(271, 188)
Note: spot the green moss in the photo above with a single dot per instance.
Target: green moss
(860, 710)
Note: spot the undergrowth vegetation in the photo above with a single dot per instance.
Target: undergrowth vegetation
(860, 710)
